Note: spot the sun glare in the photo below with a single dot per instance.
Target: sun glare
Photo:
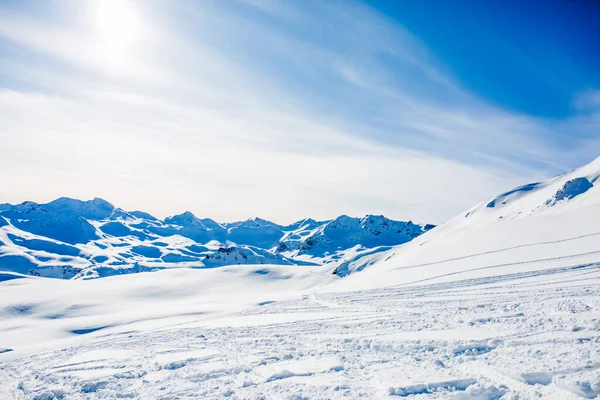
(117, 26)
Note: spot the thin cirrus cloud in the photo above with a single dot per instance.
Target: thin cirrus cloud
(237, 109)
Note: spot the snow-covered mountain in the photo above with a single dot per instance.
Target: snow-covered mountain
(69, 238)
(330, 239)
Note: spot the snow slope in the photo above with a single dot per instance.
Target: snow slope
(70, 238)
(282, 333)
(499, 303)
(534, 227)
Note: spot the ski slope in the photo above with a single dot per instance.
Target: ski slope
(500, 302)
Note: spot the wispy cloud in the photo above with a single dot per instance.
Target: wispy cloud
(588, 100)
(234, 109)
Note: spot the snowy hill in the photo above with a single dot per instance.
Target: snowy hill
(69, 238)
(530, 228)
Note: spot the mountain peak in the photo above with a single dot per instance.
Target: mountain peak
(185, 219)
(143, 215)
(211, 224)
(306, 223)
(344, 220)
(69, 201)
(257, 222)
(373, 219)
(120, 214)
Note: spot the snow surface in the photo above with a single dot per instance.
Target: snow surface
(499, 303)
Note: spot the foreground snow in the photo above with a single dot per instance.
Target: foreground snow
(174, 334)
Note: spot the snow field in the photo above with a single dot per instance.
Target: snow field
(511, 337)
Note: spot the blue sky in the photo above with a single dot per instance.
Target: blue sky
(281, 109)
(526, 56)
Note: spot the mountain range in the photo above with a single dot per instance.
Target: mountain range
(70, 238)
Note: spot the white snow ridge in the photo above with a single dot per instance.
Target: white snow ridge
(501, 302)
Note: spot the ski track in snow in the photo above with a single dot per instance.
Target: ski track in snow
(520, 336)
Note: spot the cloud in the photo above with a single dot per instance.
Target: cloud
(588, 100)
(236, 109)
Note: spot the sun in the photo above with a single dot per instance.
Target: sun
(117, 26)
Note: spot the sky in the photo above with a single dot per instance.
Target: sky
(289, 109)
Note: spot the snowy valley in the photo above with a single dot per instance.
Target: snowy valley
(500, 302)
